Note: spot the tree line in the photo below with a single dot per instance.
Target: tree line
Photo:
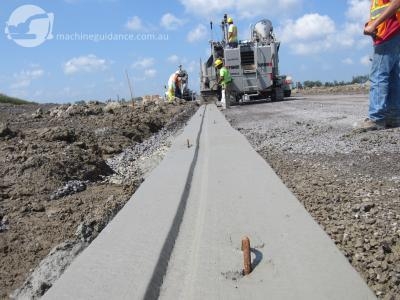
(360, 79)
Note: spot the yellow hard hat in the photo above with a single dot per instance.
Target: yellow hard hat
(218, 62)
(230, 20)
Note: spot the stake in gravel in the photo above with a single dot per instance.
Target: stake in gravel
(246, 256)
(130, 86)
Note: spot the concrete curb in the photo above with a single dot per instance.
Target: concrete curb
(235, 193)
(212, 194)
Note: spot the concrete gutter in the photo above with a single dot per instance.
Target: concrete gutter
(179, 236)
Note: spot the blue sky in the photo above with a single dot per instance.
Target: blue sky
(320, 40)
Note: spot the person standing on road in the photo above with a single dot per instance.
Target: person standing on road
(384, 96)
(225, 80)
(232, 34)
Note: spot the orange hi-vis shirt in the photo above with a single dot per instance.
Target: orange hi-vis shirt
(388, 28)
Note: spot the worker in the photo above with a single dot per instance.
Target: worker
(225, 80)
(174, 86)
(384, 95)
(232, 34)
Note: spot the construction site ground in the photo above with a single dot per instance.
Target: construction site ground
(67, 170)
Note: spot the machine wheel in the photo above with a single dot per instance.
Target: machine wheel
(287, 93)
(277, 95)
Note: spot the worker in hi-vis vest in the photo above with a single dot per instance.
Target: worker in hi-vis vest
(174, 86)
(225, 80)
(232, 34)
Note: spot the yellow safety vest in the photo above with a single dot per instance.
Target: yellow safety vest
(233, 29)
(226, 75)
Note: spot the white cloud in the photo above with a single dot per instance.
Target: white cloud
(315, 33)
(170, 22)
(87, 63)
(358, 10)
(351, 37)
(134, 24)
(348, 61)
(150, 73)
(24, 78)
(197, 34)
(173, 59)
(350, 34)
(307, 28)
(207, 7)
(143, 63)
(365, 60)
(311, 33)
(242, 8)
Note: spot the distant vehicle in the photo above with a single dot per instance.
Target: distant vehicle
(254, 66)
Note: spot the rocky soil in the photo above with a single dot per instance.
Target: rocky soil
(348, 181)
(65, 171)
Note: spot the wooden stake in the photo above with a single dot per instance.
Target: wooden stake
(246, 256)
(130, 86)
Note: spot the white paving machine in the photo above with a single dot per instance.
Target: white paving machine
(253, 65)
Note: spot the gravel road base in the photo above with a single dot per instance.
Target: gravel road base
(349, 182)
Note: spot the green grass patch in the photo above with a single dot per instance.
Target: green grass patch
(13, 100)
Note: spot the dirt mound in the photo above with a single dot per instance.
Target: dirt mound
(55, 169)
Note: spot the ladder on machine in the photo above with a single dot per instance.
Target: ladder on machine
(246, 81)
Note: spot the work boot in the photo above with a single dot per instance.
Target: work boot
(368, 125)
(392, 123)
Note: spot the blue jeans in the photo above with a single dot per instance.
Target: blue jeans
(384, 96)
